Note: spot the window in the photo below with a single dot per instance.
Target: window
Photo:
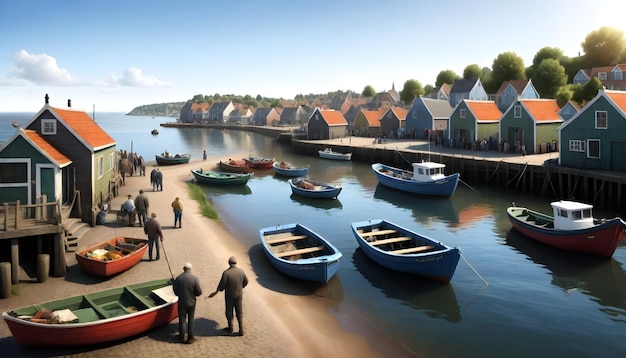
(618, 75)
(601, 119)
(111, 161)
(602, 76)
(100, 166)
(48, 126)
(517, 112)
(576, 145)
(593, 148)
(13, 173)
(462, 113)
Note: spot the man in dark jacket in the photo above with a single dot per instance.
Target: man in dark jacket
(141, 205)
(187, 288)
(233, 281)
(152, 228)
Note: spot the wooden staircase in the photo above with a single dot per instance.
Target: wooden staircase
(73, 230)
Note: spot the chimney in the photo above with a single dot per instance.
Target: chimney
(69, 103)
(47, 99)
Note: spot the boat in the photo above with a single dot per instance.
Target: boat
(427, 178)
(259, 163)
(299, 252)
(328, 153)
(220, 178)
(154, 132)
(572, 227)
(400, 249)
(288, 170)
(169, 159)
(313, 189)
(235, 166)
(112, 256)
(95, 318)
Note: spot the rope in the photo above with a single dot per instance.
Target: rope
(166, 260)
(476, 272)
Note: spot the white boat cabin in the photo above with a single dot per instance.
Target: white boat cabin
(571, 215)
(428, 171)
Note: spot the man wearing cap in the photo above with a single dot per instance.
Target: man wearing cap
(152, 228)
(129, 207)
(187, 288)
(233, 281)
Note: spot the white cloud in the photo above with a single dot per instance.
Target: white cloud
(39, 70)
(134, 77)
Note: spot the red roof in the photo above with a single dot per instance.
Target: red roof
(619, 97)
(46, 147)
(484, 110)
(542, 110)
(373, 117)
(333, 118)
(85, 128)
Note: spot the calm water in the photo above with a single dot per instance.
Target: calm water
(539, 301)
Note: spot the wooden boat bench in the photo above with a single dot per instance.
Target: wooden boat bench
(281, 240)
(86, 315)
(376, 233)
(101, 312)
(390, 241)
(300, 251)
(411, 250)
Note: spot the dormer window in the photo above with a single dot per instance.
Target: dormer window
(602, 76)
(48, 126)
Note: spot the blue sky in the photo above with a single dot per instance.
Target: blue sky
(115, 55)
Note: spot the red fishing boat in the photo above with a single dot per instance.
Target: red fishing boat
(572, 227)
(235, 166)
(112, 256)
(259, 163)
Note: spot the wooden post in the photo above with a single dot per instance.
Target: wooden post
(15, 261)
(59, 266)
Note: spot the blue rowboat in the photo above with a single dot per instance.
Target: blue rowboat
(313, 189)
(288, 170)
(427, 178)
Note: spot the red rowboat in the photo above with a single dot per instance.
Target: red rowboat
(235, 166)
(571, 228)
(259, 163)
(112, 256)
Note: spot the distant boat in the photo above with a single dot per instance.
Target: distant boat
(328, 153)
(288, 170)
(400, 249)
(169, 159)
(154, 131)
(297, 251)
(572, 227)
(259, 163)
(95, 318)
(235, 166)
(427, 178)
(112, 256)
(313, 189)
(220, 178)
(15, 124)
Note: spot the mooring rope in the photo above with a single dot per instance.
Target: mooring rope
(473, 269)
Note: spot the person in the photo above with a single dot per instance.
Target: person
(141, 205)
(187, 288)
(131, 161)
(129, 207)
(142, 166)
(158, 179)
(232, 283)
(153, 179)
(177, 205)
(120, 166)
(204, 155)
(152, 228)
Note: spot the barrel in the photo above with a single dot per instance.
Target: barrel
(43, 267)
(5, 279)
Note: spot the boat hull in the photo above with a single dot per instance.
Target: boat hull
(320, 268)
(97, 331)
(259, 163)
(601, 239)
(319, 191)
(326, 154)
(236, 167)
(183, 159)
(97, 267)
(290, 171)
(219, 178)
(438, 263)
(397, 180)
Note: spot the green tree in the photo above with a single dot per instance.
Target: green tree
(198, 99)
(276, 103)
(547, 52)
(428, 89)
(590, 89)
(549, 77)
(472, 71)
(259, 97)
(447, 76)
(506, 67)
(411, 89)
(564, 95)
(604, 47)
(368, 91)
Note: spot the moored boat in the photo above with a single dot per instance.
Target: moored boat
(299, 252)
(94, 318)
(154, 132)
(169, 159)
(572, 227)
(288, 170)
(400, 249)
(235, 166)
(328, 153)
(427, 178)
(313, 189)
(259, 163)
(220, 178)
(112, 256)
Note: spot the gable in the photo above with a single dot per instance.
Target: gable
(83, 127)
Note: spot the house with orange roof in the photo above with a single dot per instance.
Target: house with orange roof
(326, 124)
(612, 77)
(510, 91)
(60, 152)
(595, 137)
(474, 125)
(392, 122)
(367, 122)
(530, 124)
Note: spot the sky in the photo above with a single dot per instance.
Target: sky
(115, 55)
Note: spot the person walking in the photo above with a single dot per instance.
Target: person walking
(120, 166)
(158, 179)
(232, 282)
(204, 155)
(152, 228)
(153, 179)
(142, 166)
(187, 288)
(141, 205)
(177, 205)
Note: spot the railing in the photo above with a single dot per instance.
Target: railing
(15, 216)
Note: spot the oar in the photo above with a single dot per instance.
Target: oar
(166, 260)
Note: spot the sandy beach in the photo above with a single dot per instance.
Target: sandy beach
(276, 323)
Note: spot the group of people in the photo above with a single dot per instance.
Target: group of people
(156, 179)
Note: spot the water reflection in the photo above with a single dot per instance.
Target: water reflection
(225, 189)
(437, 300)
(425, 209)
(601, 278)
(325, 204)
